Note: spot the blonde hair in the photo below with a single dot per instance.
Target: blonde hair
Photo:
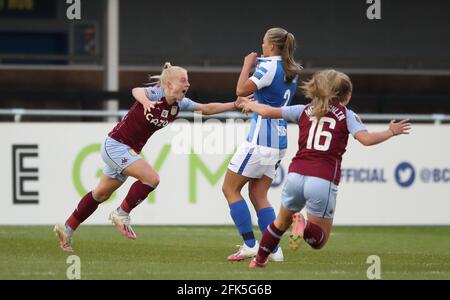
(325, 86)
(285, 43)
(167, 73)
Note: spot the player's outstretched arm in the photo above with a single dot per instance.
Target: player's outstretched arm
(263, 110)
(141, 97)
(372, 138)
(216, 108)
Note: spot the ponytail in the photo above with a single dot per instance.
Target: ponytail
(285, 43)
(167, 72)
(290, 67)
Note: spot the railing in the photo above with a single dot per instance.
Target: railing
(312, 64)
(18, 113)
(435, 118)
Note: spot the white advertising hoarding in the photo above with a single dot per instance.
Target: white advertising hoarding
(49, 166)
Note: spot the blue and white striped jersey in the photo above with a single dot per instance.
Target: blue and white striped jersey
(272, 90)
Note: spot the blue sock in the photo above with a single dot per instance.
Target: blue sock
(241, 216)
(266, 216)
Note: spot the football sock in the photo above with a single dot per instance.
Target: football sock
(269, 242)
(241, 216)
(137, 193)
(121, 212)
(85, 208)
(314, 235)
(266, 216)
(68, 230)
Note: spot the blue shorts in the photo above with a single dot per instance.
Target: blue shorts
(117, 157)
(319, 195)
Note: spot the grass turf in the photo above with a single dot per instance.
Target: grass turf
(199, 252)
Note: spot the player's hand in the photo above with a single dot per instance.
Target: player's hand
(149, 105)
(401, 127)
(247, 106)
(240, 101)
(250, 59)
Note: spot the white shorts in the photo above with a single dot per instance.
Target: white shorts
(255, 161)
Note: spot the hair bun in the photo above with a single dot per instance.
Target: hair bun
(167, 65)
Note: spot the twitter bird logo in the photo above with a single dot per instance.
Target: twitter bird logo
(405, 174)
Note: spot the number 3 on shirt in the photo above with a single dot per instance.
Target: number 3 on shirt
(314, 135)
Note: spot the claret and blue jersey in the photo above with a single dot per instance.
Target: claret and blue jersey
(273, 90)
(322, 142)
(136, 128)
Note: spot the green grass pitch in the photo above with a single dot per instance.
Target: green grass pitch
(199, 252)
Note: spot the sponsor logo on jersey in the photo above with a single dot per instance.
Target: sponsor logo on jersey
(155, 121)
(165, 113)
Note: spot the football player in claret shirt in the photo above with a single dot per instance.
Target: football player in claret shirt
(314, 173)
(274, 83)
(155, 108)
